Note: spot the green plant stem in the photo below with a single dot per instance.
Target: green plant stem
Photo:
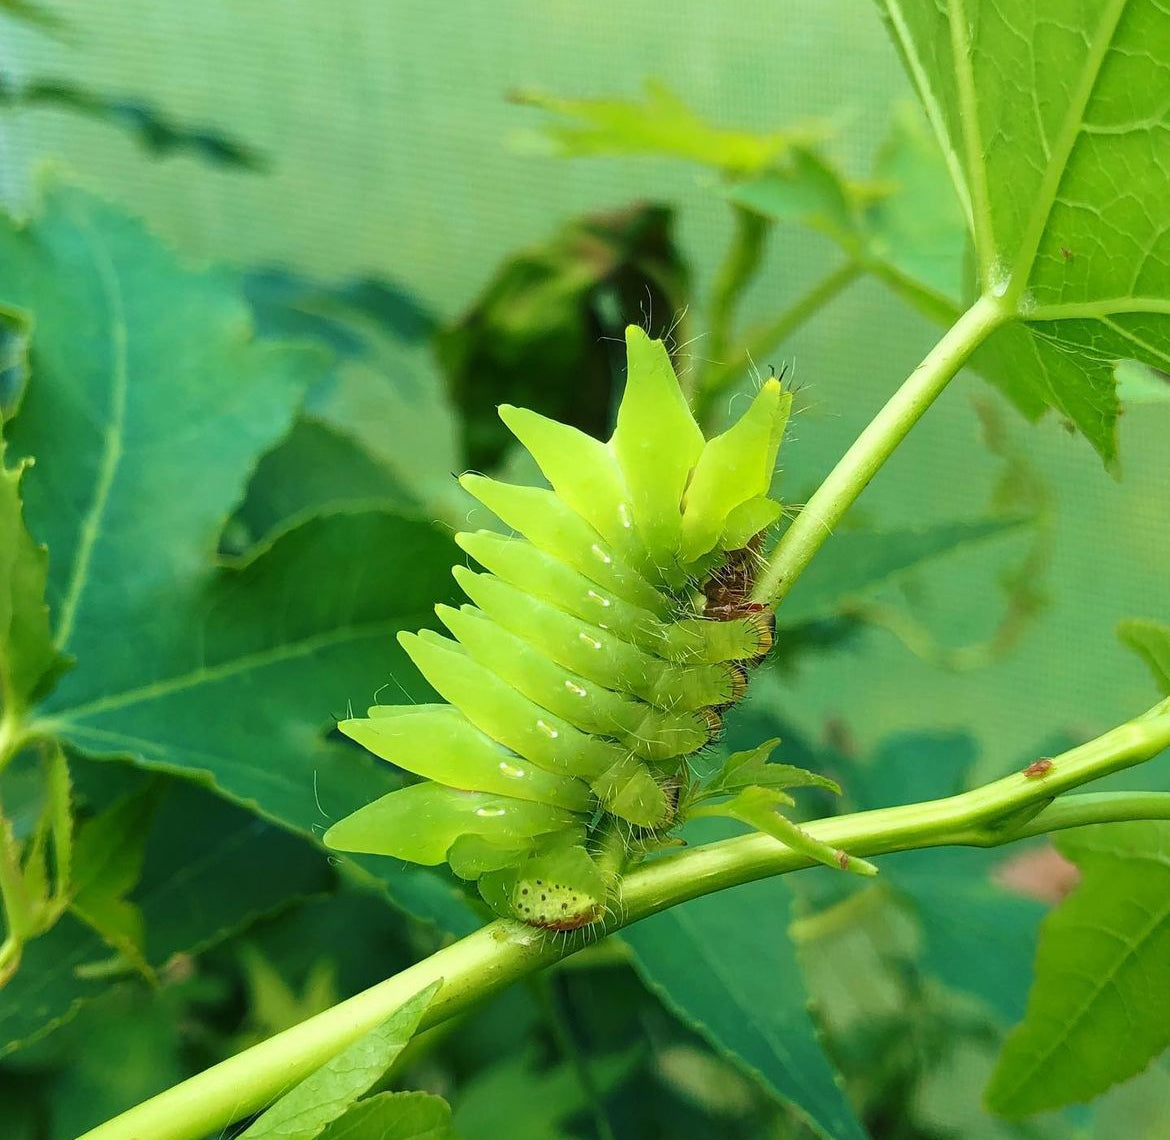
(873, 447)
(720, 377)
(1015, 807)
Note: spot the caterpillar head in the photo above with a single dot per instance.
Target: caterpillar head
(604, 640)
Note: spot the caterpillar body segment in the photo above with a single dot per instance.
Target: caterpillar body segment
(735, 467)
(605, 639)
(421, 822)
(553, 527)
(654, 733)
(494, 707)
(752, 517)
(657, 443)
(452, 751)
(585, 474)
(547, 578)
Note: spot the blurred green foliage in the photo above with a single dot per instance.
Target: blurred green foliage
(280, 501)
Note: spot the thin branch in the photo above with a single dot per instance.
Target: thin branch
(1015, 807)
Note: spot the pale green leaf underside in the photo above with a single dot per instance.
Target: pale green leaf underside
(1099, 1009)
(1053, 117)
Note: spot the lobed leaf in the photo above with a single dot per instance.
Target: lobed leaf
(1054, 131)
(660, 124)
(754, 767)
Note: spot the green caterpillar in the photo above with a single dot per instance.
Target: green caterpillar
(601, 648)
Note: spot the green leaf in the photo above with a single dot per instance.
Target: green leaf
(915, 232)
(109, 851)
(726, 965)
(753, 766)
(538, 334)
(806, 188)
(325, 1095)
(210, 868)
(959, 906)
(132, 496)
(858, 562)
(125, 1047)
(394, 1116)
(516, 1099)
(266, 639)
(1099, 1009)
(318, 468)
(661, 124)
(1053, 131)
(378, 424)
(137, 476)
(152, 130)
(1151, 641)
(760, 808)
(26, 646)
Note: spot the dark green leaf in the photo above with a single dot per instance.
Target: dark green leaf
(377, 425)
(1151, 641)
(266, 639)
(318, 468)
(516, 1099)
(540, 334)
(725, 964)
(150, 129)
(960, 906)
(911, 767)
(303, 1113)
(858, 562)
(394, 1116)
(1053, 135)
(1100, 1006)
(109, 851)
(210, 868)
(126, 1047)
(136, 476)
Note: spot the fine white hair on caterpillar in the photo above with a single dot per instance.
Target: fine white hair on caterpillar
(604, 641)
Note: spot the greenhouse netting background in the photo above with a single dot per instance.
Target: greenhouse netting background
(390, 149)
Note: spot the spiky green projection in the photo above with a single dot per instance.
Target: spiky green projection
(593, 660)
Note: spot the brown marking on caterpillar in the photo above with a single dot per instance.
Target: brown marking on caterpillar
(729, 589)
(843, 860)
(1038, 769)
